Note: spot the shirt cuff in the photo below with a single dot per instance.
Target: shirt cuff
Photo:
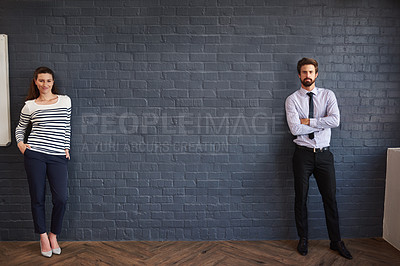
(313, 122)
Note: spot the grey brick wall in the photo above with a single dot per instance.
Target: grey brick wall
(178, 113)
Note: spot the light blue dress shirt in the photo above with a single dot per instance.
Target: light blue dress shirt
(326, 116)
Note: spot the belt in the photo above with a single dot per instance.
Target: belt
(314, 150)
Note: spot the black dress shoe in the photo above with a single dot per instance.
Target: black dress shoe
(302, 247)
(339, 246)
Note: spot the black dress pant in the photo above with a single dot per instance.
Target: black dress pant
(39, 165)
(321, 165)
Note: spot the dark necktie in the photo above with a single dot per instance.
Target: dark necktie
(311, 111)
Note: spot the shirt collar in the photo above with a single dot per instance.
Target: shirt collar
(304, 92)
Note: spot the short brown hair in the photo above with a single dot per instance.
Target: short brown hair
(307, 61)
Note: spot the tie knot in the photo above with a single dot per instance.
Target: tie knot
(310, 94)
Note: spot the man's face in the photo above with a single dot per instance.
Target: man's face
(307, 75)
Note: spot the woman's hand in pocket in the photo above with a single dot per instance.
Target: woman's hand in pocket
(67, 154)
(22, 147)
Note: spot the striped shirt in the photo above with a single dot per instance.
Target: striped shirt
(51, 126)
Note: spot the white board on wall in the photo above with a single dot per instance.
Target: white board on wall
(5, 120)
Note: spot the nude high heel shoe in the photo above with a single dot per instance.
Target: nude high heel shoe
(47, 254)
(57, 251)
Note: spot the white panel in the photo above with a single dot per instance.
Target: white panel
(391, 216)
(5, 121)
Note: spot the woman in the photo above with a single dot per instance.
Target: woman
(46, 153)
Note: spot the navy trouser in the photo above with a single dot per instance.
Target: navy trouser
(39, 165)
(321, 165)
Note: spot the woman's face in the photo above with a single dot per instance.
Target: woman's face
(44, 83)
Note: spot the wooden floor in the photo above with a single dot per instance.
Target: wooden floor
(370, 251)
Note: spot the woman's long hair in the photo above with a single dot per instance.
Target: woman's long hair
(33, 92)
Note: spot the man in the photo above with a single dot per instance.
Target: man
(311, 112)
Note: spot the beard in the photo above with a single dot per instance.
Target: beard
(307, 82)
